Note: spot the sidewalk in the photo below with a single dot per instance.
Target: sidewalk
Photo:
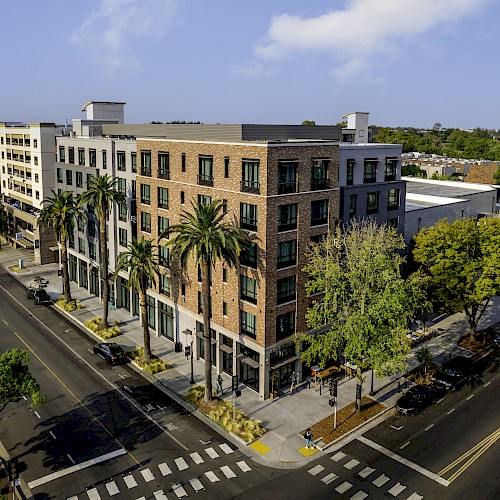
(284, 417)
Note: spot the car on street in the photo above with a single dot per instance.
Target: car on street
(39, 295)
(454, 373)
(111, 353)
(418, 398)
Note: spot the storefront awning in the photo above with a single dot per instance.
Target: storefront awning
(54, 249)
(250, 362)
(200, 335)
(26, 244)
(226, 348)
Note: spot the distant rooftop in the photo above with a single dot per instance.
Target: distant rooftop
(445, 189)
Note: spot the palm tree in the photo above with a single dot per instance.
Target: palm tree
(210, 239)
(141, 263)
(60, 212)
(101, 194)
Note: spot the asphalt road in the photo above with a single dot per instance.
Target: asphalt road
(94, 437)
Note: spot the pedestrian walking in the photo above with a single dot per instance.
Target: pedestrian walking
(219, 385)
(309, 439)
(294, 382)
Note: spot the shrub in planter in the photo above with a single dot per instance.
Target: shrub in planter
(70, 306)
(107, 333)
(153, 366)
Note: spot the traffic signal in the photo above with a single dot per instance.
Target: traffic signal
(334, 387)
(234, 382)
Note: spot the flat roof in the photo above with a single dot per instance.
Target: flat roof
(446, 189)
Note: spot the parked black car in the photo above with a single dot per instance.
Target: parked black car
(454, 373)
(111, 353)
(417, 398)
(39, 295)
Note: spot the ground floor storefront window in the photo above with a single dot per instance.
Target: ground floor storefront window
(73, 268)
(124, 294)
(248, 369)
(166, 320)
(94, 281)
(82, 274)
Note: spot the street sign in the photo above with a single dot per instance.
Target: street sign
(234, 382)
(187, 351)
(19, 236)
(333, 387)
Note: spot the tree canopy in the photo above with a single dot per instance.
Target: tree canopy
(462, 262)
(16, 380)
(363, 299)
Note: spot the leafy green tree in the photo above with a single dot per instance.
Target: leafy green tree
(60, 212)
(413, 170)
(364, 300)
(496, 175)
(462, 262)
(141, 262)
(204, 235)
(16, 380)
(308, 123)
(424, 358)
(101, 193)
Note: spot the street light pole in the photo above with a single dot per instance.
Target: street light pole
(372, 392)
(192, 354)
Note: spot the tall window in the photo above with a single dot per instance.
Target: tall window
(81, 246)
(91, 228)
(151, 311)
(146, 194)
(104, 159)
(80, 223)
(89, 179)
(319, 174)
(162, 197)
(287, 217)
(165, 285)
(370, 173)
(204, 199)
(146, 222)
(146, 163)
(226, 167)
(393, 199)
(162, 224)
(248, 257)
(319, 212)
(287, 177)
(390, 169)
(71, 155)
(121, 185)
(248, 216)
(120, 160)
(353, 201)
(163, 256)
(81, 156)
(183, 162)
(92, 251)
(287, 253)
(163, 166)
(133, 161)
(248, 324)
(350, 172)
(62, 154)
(122, 233)
(372, 203)
(122, 211)
(205, 172)
(59, 175)
(285, 325)
(285, 289)
(92, 157)
(250, 176)
(248, 289)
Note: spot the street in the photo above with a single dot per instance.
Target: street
(104, 430)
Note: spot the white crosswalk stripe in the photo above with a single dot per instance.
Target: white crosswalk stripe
(414, 496)
(351, 464)
(381, 480)
(72, 498)
(225, 448)
(130, 481)
(360, 495)
(316, 470)
(181, 463)
(112, 488)
(196, 458)
(396, 489)
(329, 478)
(212, 453)
(243, 466)
(93, 494)
(366, 472)
(147, 475)
(211, 476)
(343, 487)
(141, 498)
(160, 495)
(164, 469)
(179, 490)
(338, 456)
(227, 471)
(196, 484)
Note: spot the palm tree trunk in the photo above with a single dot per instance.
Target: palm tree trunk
(205, 292)
(145, 328)
(104, 270)
(64, 259)
(359, 383)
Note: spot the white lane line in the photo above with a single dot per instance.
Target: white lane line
(398, 458)
(211, 476)
(181, 463)
(243, 466)
(351, 464)
(381, 480)
(160, 495)
(179, 490)
(130, 481)
(439, 401)
(470, 397)
(212, 453)
(93, 494)
(71, 458)
(450, 412)
(196, 484)
(52, 434)
(338, 456)
(164, 469)
(225, 448)
(147, 475)
(37, 414)
(112, 488)
(414, 496)
(72, 498)
(196, 458)
(402, 447)
(366, 472)
(429, 427)
(329, 478)
(343, 487)
(227, 471)
(25, 398)
(316, 470)
(5, 322)
(141, 498)
(360, 495)
(74, 468)
(396, 489)
(487, 384)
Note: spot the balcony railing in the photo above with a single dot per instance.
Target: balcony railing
(250, 224)
(287, 187)
(320, 184)
(164, 174)
(250, 186)
(205, 180)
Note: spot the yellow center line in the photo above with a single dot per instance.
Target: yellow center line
(92, 416)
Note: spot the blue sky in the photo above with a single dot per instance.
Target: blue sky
(407, 62)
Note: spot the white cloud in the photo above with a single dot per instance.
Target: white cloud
(361, 33)
(251, 70)
(107, 33)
